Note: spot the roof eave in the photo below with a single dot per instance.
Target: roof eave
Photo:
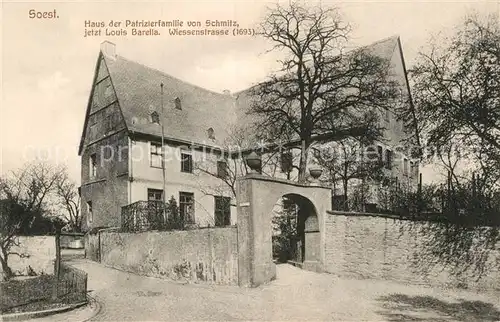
(89, 103)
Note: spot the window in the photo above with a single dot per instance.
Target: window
(90, 215)
(186, 206)
(222, 211)
(380, 152)
(186, 162)
(387, 115)
(155, 155)
(211, 134)
(177, 103)
(155, 117)
(107, 152)
(371, 154)
(388, 159)
(414, 169)
(155, 195)
(286, 161)
(222, 169)
(93, 166)
(405, 166)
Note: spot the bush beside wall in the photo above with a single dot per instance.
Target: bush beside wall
(377, 247)
(18, 292)
(204, 255)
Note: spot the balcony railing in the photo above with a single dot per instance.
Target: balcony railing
(143, 215)
(152, 215)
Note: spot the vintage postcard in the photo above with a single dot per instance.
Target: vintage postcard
(250, 160)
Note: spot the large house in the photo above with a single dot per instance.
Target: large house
(134, 110)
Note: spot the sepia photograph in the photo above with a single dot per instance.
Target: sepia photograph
(278, 160)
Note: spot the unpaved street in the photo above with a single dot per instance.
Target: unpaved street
(295, 295)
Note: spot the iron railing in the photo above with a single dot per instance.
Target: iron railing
(143, 215)
(71, 284)
(153, 215)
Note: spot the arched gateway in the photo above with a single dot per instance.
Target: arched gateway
(257, 195)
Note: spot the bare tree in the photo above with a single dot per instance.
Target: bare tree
(348, 160)
(224, 163)
(24, 194)
(456, 89)
(320, 93)
(69, 200)
(228, 176)
(12, 217)
(227, 162)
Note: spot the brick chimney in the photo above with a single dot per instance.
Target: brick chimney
(108, 49)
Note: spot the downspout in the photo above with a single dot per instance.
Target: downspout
(164, 200)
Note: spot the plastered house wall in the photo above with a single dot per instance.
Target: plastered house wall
(204, 186)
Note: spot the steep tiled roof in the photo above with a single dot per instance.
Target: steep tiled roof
(138, 90)
(383, 48)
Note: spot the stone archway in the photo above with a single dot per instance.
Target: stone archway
(256, 195)
(299, 243)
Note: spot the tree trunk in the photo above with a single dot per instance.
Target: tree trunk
(345, 182)
(5, 267)
(363, 209)
(303, 162)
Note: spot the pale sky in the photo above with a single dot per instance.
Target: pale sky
(48, 64)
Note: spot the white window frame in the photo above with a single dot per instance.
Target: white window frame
(153, 191)
(190, 212)
(151, 144)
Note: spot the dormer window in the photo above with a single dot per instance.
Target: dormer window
(211, 134)
(177, 103)
(155, 117)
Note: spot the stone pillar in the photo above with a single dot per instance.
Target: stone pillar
(255, 264)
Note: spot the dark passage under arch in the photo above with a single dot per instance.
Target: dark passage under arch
(295, 230)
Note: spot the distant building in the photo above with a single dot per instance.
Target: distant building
(121, 143)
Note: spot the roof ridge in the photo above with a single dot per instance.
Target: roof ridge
(382, 40)
(170, 76)
(395, 37)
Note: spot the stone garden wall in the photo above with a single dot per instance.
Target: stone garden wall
(208, 255)
(371, 246)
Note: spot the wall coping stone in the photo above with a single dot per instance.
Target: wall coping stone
(368, 214)
(257, 176)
